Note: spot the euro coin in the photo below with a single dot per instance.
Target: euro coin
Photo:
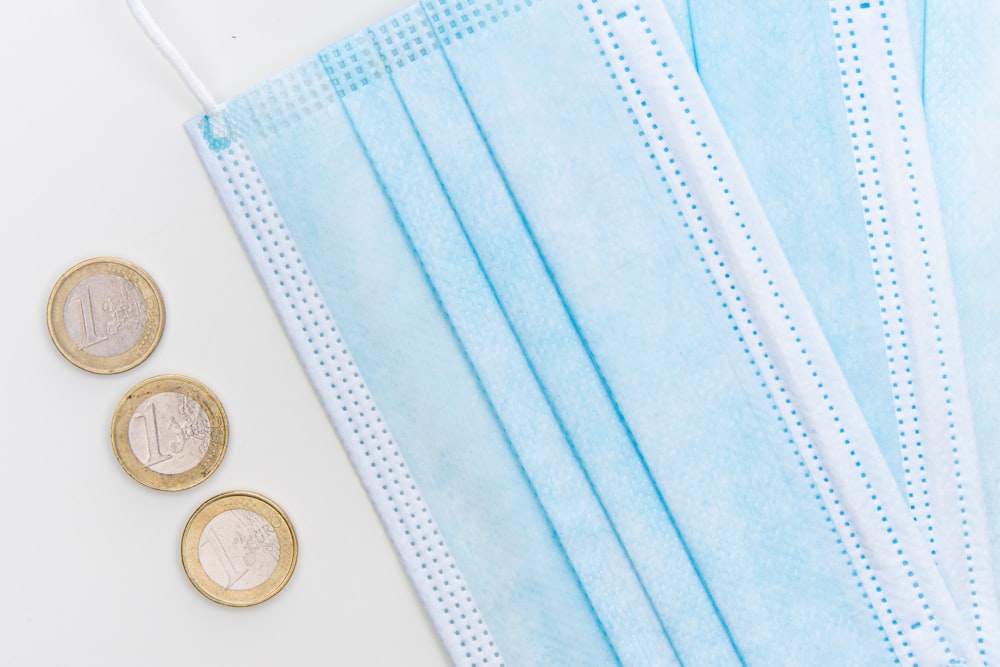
(105, 315)
(239, 549)
(169, 432)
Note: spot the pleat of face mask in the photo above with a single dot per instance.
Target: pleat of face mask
(516, 279)
(477, 213)
(335, 243)
(507, 315)
(491, 97)
(961, 77)
(487, 215)
(834, 144)
(610, 568)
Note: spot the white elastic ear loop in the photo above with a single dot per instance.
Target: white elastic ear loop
(174, 57)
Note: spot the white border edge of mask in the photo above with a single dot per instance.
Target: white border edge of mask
(916, 625)
(920, 313)
(446, 598)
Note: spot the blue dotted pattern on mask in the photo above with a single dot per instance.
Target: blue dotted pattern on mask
(352, 64)
(454, 21)
(885, 268)
(665, 164)
(403, 39)
(281, 102)
(305, 313)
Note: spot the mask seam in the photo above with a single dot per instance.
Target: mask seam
(896, 369)
(312, 329)
(709, 241)
(870, 188)
(694, 43)
(746, 350)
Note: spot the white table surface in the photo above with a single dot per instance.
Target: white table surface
(95, 162)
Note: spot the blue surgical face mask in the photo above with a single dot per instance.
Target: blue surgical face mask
(834, 143)
(961, 86)
(562, 295)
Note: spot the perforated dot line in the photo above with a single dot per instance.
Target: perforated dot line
(403, 39)
(454, 21)
(360, 60)
(352, 64)
(707, 242)
(410, 522)
(884, 262)
(387, 46)
(282, 101)
(884, 254)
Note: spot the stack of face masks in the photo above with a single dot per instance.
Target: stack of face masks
(638, 320)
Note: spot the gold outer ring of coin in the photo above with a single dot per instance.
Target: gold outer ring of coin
(151, 333)
(217, 421)
(263, 507)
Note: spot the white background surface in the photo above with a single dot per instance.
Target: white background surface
(95, 162)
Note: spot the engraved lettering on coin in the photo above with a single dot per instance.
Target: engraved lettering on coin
(104, 315)
(169, 433)
(239, 550)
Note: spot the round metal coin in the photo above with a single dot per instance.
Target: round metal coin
(105, 315)
(169, 432)
(239, 549)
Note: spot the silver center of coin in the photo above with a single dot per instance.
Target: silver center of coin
(239, 550)
(105, 315)
(169, 433)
